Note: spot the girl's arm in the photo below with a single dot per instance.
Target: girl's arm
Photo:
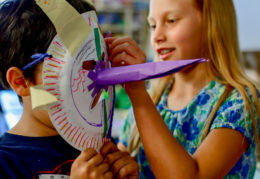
(216, 156)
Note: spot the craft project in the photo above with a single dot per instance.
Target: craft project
(78, 79)
(81, 119)
(102, 77)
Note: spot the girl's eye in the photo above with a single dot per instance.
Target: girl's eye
(152, 26)
(171, 20)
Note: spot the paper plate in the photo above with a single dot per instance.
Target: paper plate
(82, 120)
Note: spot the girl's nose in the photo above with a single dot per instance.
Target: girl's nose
(158, 34)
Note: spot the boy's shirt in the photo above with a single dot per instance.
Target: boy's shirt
(35, 157)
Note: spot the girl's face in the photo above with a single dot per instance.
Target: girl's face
(176, 29)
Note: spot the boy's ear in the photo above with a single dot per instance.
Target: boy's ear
(17, 81)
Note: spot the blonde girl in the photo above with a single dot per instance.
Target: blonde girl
(206, 121)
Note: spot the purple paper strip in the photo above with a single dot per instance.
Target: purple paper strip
(103, 77)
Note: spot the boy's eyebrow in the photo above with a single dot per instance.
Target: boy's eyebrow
(37, 58)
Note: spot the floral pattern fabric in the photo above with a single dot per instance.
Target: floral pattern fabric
(186, 125)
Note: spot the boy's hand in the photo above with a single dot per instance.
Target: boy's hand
(121, 163)
(89, 164)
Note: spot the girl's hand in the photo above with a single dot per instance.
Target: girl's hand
(121, 163)
(89, 164)
(125, 51)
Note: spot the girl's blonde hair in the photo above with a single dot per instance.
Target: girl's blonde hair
(221, 47)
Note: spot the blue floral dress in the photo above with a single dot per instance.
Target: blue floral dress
(186, 125)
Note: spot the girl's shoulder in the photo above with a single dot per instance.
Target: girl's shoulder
(235, 99)
(216, 89)
(234, 113)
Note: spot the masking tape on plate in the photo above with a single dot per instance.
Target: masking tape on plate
(70, 25)
(41, 98)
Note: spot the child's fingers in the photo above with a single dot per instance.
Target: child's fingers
(90, 156)
(108, 175)
(117, 41)
(124, 166)
(123, 48)
(87, 154)
(101, 171)
(121, 163)
(118, 164)
(130, 171)
(113, 157)
(110, 40)
(80, 167)
(122, 59)
(107, 148)
(124, 43)
(103, 168)
(127, 51)
(95, 160)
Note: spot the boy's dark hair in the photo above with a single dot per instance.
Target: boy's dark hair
(25, 30)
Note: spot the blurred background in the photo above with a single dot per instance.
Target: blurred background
(128, 18)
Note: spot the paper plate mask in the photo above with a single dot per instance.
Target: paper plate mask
(79, 76)
(81, 119)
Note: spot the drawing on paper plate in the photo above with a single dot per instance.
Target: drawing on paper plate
(82, 119)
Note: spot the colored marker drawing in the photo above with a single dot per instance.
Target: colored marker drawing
(82, 120)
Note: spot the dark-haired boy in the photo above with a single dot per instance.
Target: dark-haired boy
(33, 148)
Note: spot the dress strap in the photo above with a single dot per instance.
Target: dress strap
(210, 119)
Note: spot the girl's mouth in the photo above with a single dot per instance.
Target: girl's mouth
(165, 53)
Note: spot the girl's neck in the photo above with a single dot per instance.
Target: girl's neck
(193, 77)
(187, 84)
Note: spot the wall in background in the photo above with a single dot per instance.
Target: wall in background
(248, 14)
